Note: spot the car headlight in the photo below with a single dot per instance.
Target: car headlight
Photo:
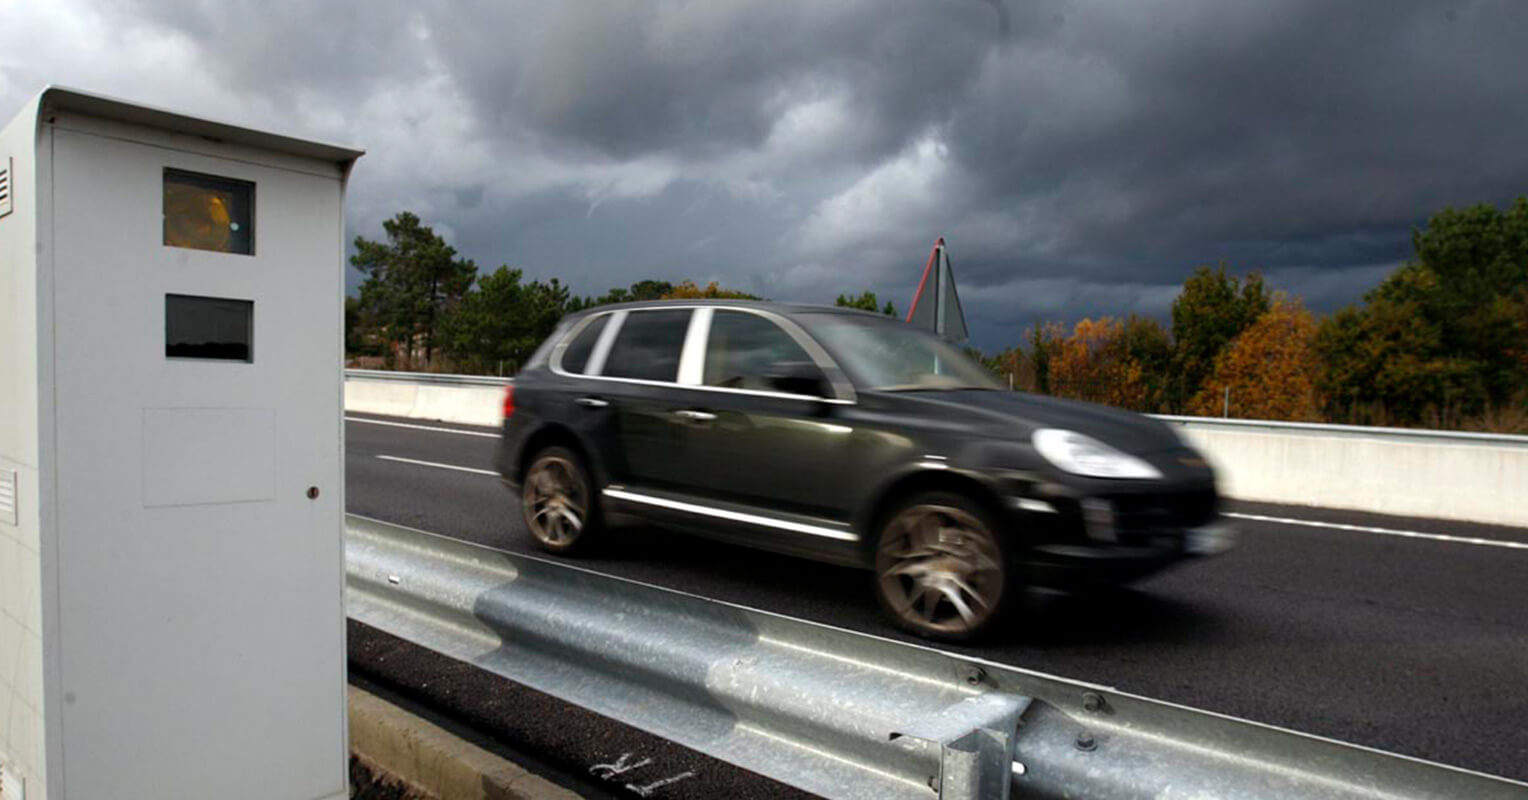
(1073, 452)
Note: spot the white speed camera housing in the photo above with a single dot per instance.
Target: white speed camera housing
(171, 484)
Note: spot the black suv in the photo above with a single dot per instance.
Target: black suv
(852, 438)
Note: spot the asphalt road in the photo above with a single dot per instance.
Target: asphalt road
(1390, 638)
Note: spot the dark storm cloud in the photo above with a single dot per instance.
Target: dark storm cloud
(1080, 157)
(286, 47)
(1302, 134)
(698, 79)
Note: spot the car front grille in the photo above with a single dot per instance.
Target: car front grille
(1143, 515)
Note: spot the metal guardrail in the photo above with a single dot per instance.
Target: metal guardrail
(837, 713)
(425, 378)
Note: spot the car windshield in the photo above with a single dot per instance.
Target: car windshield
(882, 354)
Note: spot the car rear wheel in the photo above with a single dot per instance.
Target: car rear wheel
(558, 501)
(940, 570)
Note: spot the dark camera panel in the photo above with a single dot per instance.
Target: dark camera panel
(209, 328)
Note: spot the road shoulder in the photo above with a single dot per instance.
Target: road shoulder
(432, 762)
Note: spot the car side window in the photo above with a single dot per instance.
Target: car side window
(648, 346)
(576, 357)
(743, 350)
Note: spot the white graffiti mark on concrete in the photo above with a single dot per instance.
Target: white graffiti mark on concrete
(647, 791)
(621, 766)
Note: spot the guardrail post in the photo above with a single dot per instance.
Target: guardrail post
(976, 740)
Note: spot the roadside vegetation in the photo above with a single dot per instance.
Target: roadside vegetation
(1442, 342)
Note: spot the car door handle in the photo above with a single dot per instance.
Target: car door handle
(694, 416)
(592, 402)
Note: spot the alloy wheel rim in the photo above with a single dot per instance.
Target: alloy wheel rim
(555, 501)
(940, 569)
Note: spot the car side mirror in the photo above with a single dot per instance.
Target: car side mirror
(797, 377)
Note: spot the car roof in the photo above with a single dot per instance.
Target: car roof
(786, 309)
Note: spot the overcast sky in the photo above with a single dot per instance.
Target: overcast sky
(1081, 158)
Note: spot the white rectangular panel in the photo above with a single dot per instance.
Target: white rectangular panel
(195, 456)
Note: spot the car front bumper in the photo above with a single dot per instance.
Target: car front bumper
(1085, 564)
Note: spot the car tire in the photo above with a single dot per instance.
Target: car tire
(558, 503)
(941, 569)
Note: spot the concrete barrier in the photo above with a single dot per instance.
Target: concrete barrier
(471, 404)
(373, 397)
(1436, 474)
(1439, 474)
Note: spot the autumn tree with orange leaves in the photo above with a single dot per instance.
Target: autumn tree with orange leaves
(1270, 368)
(1092, 364)
(688, 290)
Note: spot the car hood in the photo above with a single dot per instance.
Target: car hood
(1023, 413)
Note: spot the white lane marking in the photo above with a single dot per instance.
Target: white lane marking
(422, 427)
(1437, 537)
(438, 465)
(736, 516)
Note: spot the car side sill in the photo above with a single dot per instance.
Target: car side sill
(841, 534)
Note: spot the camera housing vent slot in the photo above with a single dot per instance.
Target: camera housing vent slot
(7, 191)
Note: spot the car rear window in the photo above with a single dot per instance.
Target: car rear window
(648, 346)
(576, 357)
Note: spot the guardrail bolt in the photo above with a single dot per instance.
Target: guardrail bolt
(975, 675)
(1092, 701)
(312, 492)
(1086, 742)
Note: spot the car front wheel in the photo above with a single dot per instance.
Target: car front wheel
(558, 501)
(940, 570)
